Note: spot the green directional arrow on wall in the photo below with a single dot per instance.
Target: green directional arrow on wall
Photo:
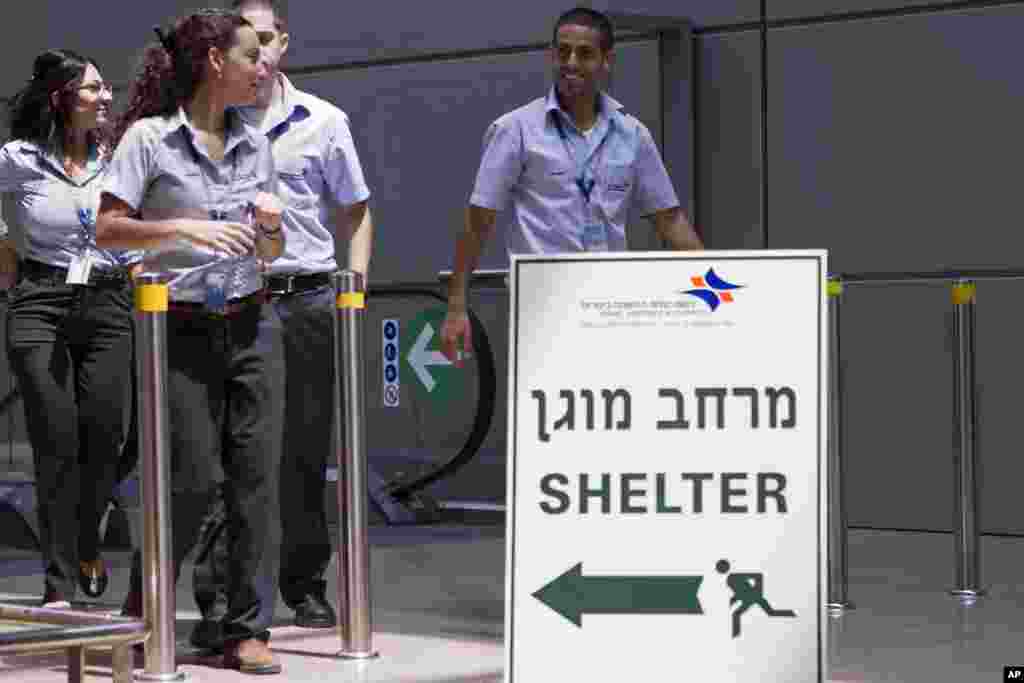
(438, 382)
(572, 595)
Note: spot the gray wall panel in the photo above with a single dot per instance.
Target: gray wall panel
(398, 28)
(898, 398)
(906, 159)
(111, 32)
(729, 140)
(890, 156)
(794, 9)
(419, 129)
(114, 32)
(1000, 376)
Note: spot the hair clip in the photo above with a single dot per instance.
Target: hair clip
(165, 40)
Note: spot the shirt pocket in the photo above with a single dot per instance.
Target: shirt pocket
(295, 185)
(618, 182)
(549, 174)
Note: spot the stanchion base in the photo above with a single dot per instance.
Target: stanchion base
(837, 609)
(358, 655)
(968, 594)
(141, 675)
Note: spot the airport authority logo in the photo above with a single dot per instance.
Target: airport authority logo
(712, 289)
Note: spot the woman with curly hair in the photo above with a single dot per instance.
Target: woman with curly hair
(190, 182)
(69, 319)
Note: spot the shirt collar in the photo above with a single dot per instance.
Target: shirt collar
(94, 163)
(237, 131)
(607, 106)
(293, 108)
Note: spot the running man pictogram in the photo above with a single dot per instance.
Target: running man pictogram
(748, 590)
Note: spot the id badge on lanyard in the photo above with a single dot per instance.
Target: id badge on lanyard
(595, 233)
(80, 267)
(217, 283)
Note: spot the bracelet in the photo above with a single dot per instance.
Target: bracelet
(268, 233)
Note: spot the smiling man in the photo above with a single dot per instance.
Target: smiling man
(571, 164)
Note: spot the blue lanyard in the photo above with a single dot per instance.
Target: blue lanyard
(586, 187)
(215, 215)
(87, 223)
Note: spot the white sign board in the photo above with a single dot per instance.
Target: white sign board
(667, 478)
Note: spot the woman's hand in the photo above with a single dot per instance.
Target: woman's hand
(234, 239)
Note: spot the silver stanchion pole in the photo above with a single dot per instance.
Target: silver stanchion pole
(151, 298)
(965, 523)
(838, 578)
(354, 623)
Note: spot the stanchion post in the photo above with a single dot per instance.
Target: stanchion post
(151, 299)
(838, 579)
(354, 620)
(965, 523)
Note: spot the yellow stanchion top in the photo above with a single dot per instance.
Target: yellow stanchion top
(152, 298)
(351, 300)
(835, 287)
(964, 293)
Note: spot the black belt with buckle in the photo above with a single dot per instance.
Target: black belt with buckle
(282, 285)
(232, 307)
(37, 271)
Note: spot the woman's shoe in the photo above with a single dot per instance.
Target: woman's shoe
(93, 577)
(51, 600)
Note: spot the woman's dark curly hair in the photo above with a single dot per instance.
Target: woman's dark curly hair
(33, 115)
(173, 68)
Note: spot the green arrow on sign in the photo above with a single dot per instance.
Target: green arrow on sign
(572, 595)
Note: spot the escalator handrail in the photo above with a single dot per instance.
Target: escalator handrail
(486, 400)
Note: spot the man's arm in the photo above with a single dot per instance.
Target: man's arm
(468, 247)
(673, 227)
(355, 223)
(8, 263)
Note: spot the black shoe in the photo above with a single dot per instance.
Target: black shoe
(313, 611)
(208, 636)
(208, 633)
(93, 577)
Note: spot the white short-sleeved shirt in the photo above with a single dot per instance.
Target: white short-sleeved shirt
(51, 217)
(158, 170)
(527, 162)
(317, 167)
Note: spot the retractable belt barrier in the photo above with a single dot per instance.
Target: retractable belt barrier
(966, 529)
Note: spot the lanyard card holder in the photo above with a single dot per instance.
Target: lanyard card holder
(595, 237)
(216, 293)
(80, 268)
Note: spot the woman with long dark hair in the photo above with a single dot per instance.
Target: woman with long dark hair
(191, 183)
(69, 319)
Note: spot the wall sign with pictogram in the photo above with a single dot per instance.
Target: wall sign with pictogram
(392, 385)
(666, 470)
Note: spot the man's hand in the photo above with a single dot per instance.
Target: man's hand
(456, 327)
(673, 227)
(8, 265)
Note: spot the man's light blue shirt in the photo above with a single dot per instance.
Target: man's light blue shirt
(317, 168)
(527, 162)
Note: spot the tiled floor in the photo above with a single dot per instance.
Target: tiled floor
(438, 614)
